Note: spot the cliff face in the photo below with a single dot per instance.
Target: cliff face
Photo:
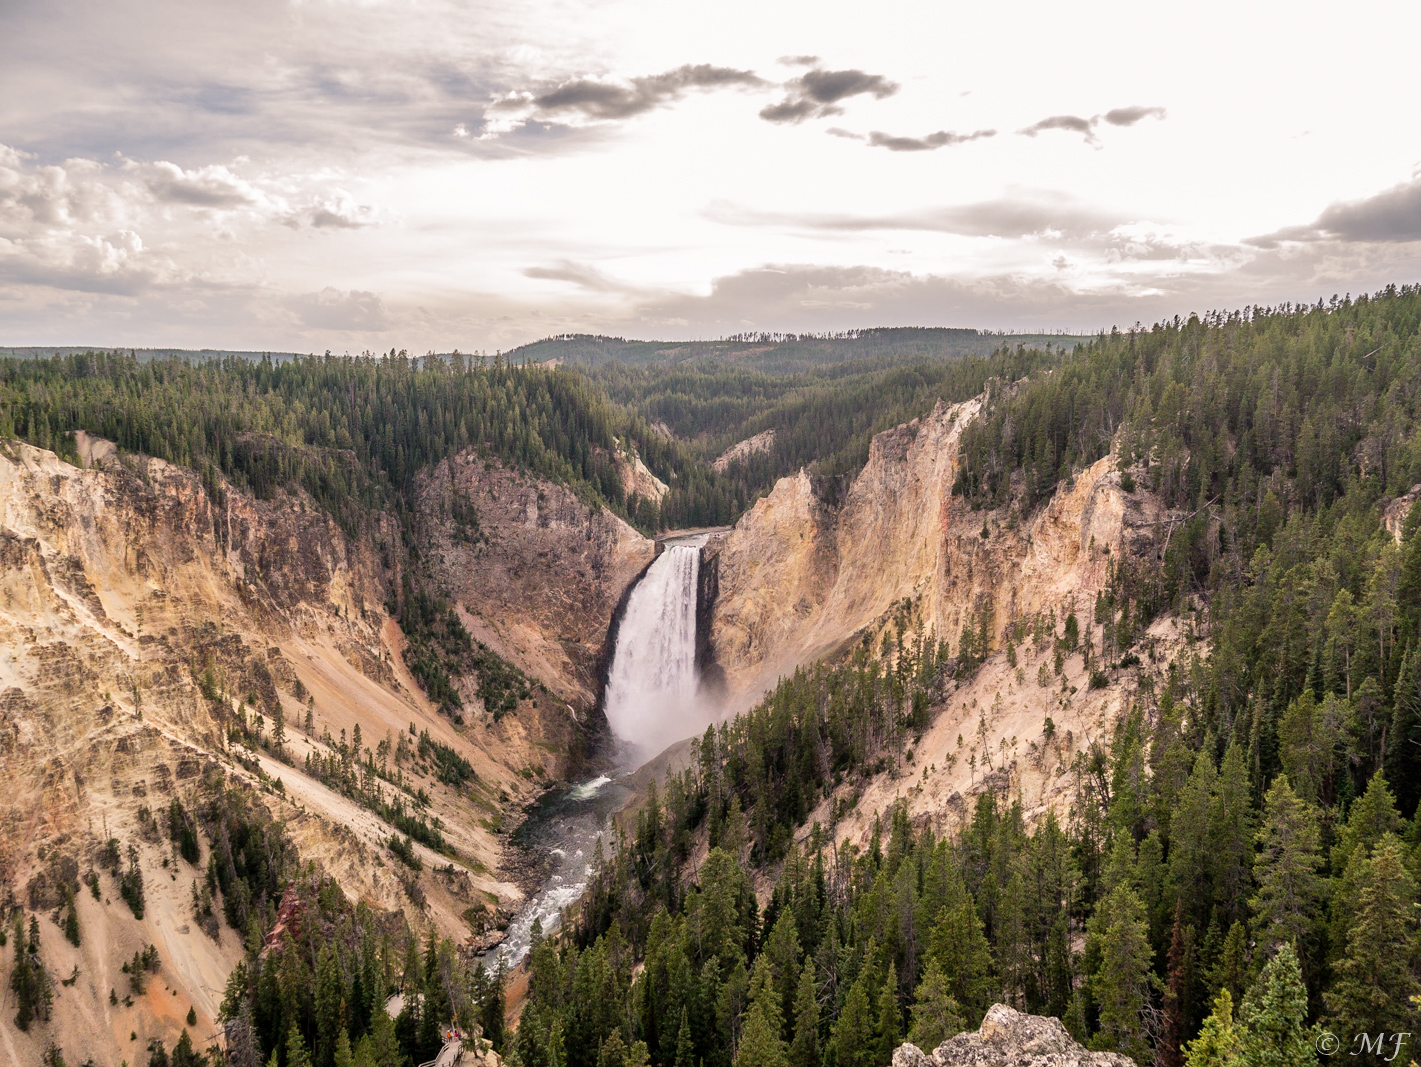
(798, 580)
(536, 572)
(127, 591)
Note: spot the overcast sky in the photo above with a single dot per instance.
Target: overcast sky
(362, 174)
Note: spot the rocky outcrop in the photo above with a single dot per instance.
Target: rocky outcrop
(1396, 511)
(1007, 1038)
(761, 442)
(637, 478)
(536, 572)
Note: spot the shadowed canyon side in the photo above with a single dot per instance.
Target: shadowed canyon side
(536, 572)
(148, 619)
(799, 580)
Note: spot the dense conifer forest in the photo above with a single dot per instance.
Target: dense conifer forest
(1236, 876)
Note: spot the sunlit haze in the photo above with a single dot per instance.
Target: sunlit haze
(429, 175)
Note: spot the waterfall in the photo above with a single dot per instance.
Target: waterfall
(651, 698)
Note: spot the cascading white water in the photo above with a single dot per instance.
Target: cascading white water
(651, 698)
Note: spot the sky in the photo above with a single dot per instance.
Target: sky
(362, 175)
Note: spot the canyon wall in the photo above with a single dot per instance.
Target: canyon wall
(536, 572)
(798, 580)
(140, 608)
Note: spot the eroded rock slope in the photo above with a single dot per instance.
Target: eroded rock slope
(144, 613)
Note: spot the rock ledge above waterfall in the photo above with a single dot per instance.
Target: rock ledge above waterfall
(1007, 1038)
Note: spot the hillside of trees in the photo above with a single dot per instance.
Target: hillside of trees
(1238, 873)
(777, 353)
(823, 418)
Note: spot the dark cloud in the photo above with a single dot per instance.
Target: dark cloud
(1120, 116)
(608, 100)
(1018, 216)
(941, 139)
(1128, 116)
(817, 94)
(1390, 216)
(1073, 123)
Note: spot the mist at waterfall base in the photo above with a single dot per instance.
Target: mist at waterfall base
(652, 698)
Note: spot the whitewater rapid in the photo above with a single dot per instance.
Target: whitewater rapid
(652, 698)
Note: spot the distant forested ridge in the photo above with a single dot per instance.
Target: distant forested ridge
(779, 353)
(823, 418)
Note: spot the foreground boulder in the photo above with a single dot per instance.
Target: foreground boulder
(1007, 1038)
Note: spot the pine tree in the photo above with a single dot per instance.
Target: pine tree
(1230, 971)
(1285, 870)
(889, 1027)
(71, 916)
(296, 1054)
(613, 1052)
(1272, 1019)
(936, 1013)
(804, 1051)
(853, 1033)
(1376, 979)
(1231, 835)
(330, 1003)
(184, 1055)
(685, 1051)
(1189, 859)
(343, 1056)
(762, 1040)
(1403, 756)
(960, 948)
(1218, 1040)
(1176, 998)
(1121, 985)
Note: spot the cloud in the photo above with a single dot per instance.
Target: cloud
(579, 274)
(810, 296)
(1120, 116)
(590, 100)
(1025, 214)
(817, 94)
(1128, 116)
(798, 61)
(338, 309)
(339, 211)
(114, 264)
(1073, 123)
(941, 139)
(1391, 216)
(211, 187)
